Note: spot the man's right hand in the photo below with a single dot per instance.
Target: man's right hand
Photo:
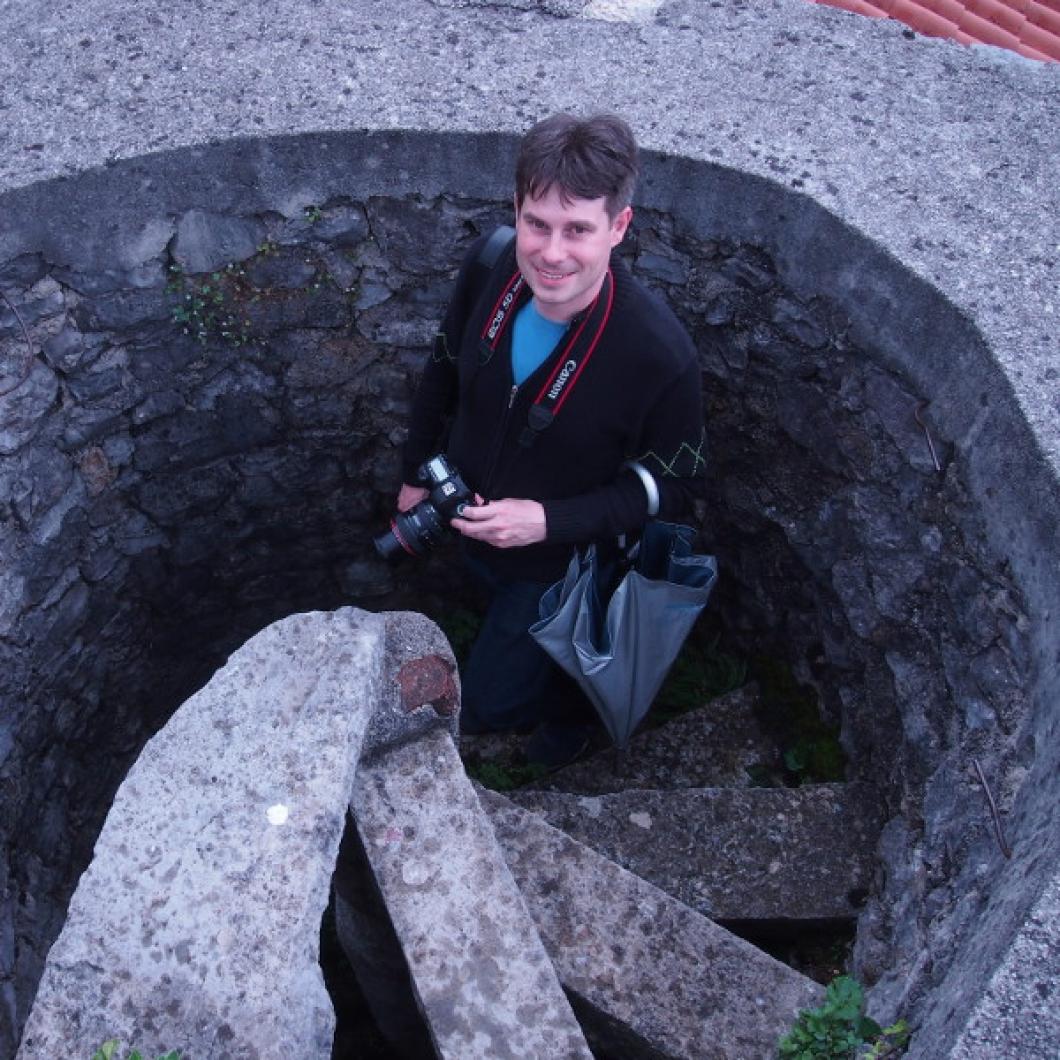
(410, 496)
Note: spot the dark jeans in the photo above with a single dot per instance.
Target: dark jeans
(509, 682)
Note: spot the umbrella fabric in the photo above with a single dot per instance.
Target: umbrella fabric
(620, 650)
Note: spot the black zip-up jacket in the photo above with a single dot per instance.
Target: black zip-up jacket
(638, 398)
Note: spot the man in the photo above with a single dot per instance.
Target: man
(558, 369)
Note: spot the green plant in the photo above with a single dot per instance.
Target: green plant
(109, 1051)
(501, 777)
(313, 214)
(840, 1030)
(208, 305)
(701, 672)
(811, 753)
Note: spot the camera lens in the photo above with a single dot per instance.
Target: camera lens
(411, 533)
(389, 546)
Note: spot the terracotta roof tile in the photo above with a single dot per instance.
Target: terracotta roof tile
(1029, 27)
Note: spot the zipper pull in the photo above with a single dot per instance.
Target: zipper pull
(511, 396)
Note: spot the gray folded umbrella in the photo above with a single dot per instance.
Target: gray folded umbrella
(620, 651)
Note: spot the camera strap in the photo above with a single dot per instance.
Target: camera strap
(584, 333)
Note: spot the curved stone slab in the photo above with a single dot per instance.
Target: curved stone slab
(196, 926)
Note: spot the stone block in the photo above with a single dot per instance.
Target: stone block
(654, 977)
(286, 268)
(713, 746)
(196, 926)
(206, 241)
(70, 349)
(757, 854)
(25, 406)
(124, 309)
(481, 976)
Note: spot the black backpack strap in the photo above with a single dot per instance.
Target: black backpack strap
(494, 247)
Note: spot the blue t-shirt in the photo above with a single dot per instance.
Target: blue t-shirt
(533, 338)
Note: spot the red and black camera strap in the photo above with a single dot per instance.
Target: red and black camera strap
(583, 337)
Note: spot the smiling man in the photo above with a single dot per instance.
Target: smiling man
(558, 369)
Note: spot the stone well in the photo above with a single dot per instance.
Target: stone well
(229, 243)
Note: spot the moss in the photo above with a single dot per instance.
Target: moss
(702, 671)
(790, 711)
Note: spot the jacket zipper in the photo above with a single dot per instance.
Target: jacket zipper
(502, 433)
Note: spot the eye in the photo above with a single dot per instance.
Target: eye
(578, 230)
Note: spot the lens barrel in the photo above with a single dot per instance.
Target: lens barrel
(411, 533)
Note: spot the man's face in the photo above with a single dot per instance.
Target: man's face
(563, 249)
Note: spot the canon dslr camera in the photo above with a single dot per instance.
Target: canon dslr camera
(419, 529)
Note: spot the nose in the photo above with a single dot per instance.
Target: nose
(553, 247)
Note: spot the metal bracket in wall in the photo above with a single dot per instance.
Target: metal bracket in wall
(27, 366)
(917, 414)
(998, 831)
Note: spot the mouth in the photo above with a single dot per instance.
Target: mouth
(551, 277)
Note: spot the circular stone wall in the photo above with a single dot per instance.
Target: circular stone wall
(206, 436)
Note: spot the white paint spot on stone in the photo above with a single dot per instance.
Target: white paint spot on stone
(277, 814)
(593, 807)
(641, 820)
(414, 875)
(622, 10)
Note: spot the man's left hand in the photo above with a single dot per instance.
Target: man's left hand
(504, 524)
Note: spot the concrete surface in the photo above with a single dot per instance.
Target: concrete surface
(653, 977)
(913, 178)
(713, 746)
(1021, 1003)
(481, 976)
(808, 855)
(197, 924)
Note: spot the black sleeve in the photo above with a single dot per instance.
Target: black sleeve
(673, 449)
(438, 386)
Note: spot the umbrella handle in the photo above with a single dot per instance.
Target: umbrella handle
(651, 487)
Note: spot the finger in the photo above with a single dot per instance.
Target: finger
(477, 515)
(468, 529)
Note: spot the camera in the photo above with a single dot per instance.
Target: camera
(419, 529)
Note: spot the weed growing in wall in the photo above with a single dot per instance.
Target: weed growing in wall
(109, 1051)
(226, 305)
(840, 1030)
(209, 307)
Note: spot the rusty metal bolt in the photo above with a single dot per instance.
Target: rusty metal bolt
(428, 680)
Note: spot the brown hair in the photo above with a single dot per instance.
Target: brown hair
(585, 158)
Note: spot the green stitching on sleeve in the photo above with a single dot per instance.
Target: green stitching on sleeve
(684, 450)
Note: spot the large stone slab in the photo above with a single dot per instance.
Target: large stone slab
(480, 973)
(733, 855)
(652, 976)
(196, 926)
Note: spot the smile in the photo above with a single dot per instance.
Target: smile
(554, 276)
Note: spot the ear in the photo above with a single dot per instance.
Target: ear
(620, 224)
